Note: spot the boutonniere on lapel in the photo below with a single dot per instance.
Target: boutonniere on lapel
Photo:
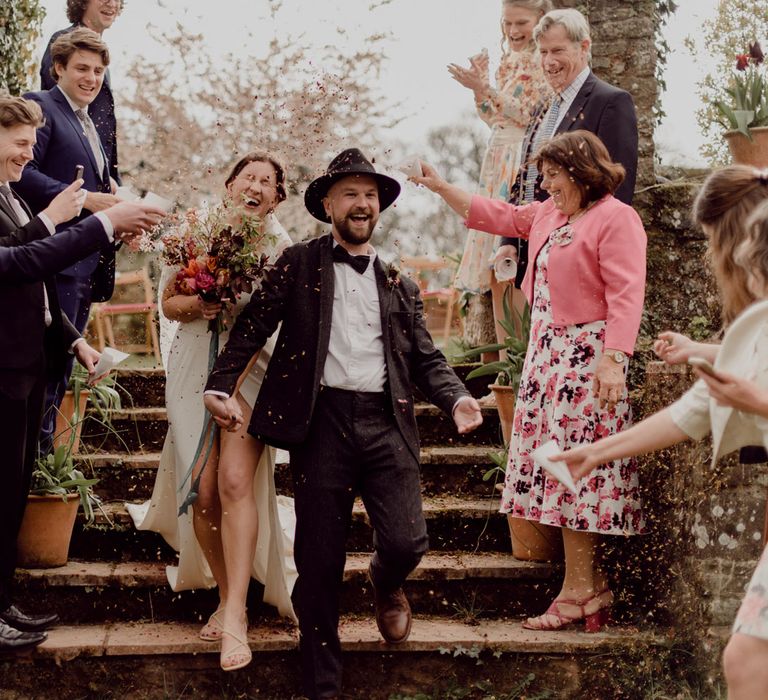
(393, 276)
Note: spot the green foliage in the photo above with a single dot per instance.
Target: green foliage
(748, 93)
(736, 24)
(499, 460)
(662, 11)
(515, 346)
(20, 26)
(699, 329)
(55, 474)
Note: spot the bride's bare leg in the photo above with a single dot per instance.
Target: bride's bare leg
(240, 453)
(207, 520)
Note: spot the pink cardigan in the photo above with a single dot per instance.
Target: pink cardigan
(600, 275)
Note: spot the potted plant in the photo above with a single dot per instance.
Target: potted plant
(745, 114)
(509, 367)
(102, 398)
(57, 489)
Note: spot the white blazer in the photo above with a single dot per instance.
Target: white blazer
(744, 353)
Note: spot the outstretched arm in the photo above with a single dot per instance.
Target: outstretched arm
(654, 433)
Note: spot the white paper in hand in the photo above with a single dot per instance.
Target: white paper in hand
(505, 269)
(155, 200)
(557, 470)
(110, 358)
(410, 167)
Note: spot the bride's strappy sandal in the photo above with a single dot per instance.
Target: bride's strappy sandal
(212, 630)
(239, 656)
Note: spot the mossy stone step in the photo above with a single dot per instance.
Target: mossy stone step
(455, 585)
(153, 659)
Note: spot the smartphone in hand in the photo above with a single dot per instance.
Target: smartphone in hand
(79, 170)
(704, 366)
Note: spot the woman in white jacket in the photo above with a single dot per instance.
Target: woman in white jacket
(732, 209)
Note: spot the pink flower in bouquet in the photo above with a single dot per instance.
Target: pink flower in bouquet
(742, 61)
(205, 281)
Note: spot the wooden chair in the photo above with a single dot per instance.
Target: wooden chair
(440, 305)
(102, 314)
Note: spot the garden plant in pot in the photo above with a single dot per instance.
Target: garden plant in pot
(102, 398)
(530, 541)
(58, 488)
(745, 112)
(509, 367)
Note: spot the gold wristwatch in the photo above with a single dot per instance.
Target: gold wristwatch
(618, 357)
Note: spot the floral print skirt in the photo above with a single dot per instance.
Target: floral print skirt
(752, 618)
(555, 402)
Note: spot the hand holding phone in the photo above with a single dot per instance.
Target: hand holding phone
(704, 366)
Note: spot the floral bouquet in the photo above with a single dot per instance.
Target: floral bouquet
(218, 262)
(748, 93)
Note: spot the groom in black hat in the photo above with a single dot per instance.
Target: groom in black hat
(338, 394)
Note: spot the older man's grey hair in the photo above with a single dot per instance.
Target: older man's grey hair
(575, 25)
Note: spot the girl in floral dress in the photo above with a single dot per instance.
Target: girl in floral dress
(507, 110)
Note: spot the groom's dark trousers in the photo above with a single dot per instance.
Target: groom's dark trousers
(341, 442)
(353, 446)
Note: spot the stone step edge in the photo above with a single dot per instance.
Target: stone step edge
(357, 635)
(462, 455)
(434, 567)
(433, 506)
(159, 413)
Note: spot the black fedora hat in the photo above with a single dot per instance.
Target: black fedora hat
(349, 162)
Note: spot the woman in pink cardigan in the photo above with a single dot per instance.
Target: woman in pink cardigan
(585, 286)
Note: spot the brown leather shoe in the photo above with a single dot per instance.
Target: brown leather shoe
(393, 616)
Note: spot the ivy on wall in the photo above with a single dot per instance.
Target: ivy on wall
(20, 26)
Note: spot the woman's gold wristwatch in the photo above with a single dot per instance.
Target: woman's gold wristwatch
(618, 357)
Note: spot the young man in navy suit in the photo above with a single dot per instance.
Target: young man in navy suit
(97, 15)
(68, 139)
(38, 338)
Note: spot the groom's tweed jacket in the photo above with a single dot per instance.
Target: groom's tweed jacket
(298, 291)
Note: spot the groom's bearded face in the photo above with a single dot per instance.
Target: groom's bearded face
(353, 205)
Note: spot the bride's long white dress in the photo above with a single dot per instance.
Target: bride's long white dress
(186, 374)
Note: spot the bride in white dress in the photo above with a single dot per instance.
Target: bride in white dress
(238, 527)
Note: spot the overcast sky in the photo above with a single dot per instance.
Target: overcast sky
(426, 35)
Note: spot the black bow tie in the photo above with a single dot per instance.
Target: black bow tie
(359, 262)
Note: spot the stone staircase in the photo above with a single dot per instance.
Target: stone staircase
(125, 634)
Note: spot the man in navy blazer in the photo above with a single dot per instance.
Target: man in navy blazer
(68, 139)
(38, 338)
(97, 15)
(581, 101)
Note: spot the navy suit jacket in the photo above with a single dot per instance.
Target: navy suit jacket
(102, 109)
(29, 259)
(62, 145)
(606, 111)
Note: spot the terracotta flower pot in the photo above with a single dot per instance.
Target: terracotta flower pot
(532, 541)
(746, 152)
(46, 531)
(63, 428)
(505, 405)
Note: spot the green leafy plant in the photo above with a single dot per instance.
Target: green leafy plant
(748, 92)
(508, 370)
(499, 461)
(55, 475)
